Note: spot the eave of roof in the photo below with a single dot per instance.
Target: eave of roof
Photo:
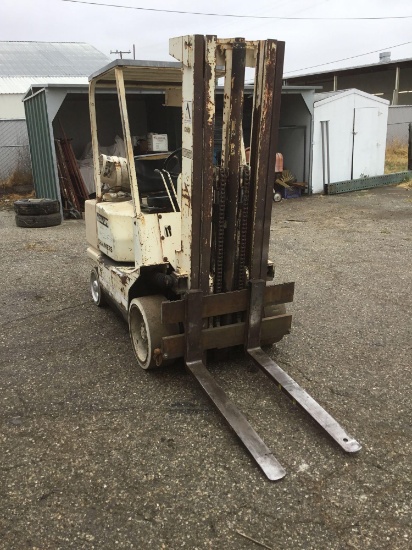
(20, 84)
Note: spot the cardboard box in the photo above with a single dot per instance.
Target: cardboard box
(157, 142)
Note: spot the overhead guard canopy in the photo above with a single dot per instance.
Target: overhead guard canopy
(142, 74)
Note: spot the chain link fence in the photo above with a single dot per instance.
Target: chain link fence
(15, 163)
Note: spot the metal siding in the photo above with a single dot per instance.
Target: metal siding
(399, 118)
(42, 159)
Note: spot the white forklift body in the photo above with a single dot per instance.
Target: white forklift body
(179, 242)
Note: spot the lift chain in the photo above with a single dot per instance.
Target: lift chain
(243, 227)
(221, 182)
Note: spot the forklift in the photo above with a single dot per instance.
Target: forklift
(179, 241)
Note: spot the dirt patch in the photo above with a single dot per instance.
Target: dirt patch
(19, 178)
(7, 201)
(39, 247)
(406, 185)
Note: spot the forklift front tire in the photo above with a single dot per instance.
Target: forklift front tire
(146, 331)
(96, 289)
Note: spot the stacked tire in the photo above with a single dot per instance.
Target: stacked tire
(37, 212)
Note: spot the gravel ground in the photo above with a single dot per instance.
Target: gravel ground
(96, 453)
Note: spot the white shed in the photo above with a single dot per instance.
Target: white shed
(349, 136)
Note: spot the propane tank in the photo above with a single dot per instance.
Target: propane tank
(114, 172)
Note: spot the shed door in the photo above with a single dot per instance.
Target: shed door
(367, 146)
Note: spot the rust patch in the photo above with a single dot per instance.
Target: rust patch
(158, 357)
(124, 279)
(186, 196)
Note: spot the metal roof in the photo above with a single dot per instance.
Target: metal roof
(20, 84)
(325, 97)
(141, 73)
(49, 59)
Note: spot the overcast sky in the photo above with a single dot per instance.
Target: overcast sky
(307, 42)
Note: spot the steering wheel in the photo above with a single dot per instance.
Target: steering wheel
(173, 163)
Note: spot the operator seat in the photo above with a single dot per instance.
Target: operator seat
(150, 181)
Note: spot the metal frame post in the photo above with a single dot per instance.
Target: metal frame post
(121, 93)
(95, 141)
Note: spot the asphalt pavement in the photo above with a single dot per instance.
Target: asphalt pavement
(96, 453)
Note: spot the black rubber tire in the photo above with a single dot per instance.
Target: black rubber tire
(34, 207)
(45, 220)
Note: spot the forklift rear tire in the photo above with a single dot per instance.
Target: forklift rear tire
(146, 331)
(96, 289)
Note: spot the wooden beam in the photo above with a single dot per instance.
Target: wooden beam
(228, 302)
(273, 328)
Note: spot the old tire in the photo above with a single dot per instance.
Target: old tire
(35, 207)
(146, 331)
(44, 220)
(96, 290)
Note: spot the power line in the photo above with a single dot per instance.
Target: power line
(240, 16)
(347, 58)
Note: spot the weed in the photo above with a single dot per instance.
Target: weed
(396, 157)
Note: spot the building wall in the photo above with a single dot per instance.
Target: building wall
(11, 106)
(399, 118)
(379, 82)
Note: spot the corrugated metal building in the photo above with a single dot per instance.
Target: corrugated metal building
(390, 80)
(23, 64)
(399, 118)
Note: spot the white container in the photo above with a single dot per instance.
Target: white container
(157, 142)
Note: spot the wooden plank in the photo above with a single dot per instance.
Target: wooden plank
(228, 336)
(279, 294)
(228, 302)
